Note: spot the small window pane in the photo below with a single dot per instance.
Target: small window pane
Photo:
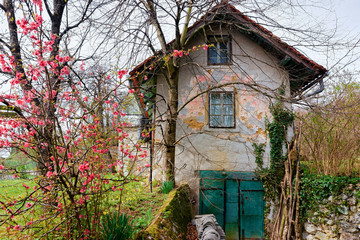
(228, 110)
(228, 121)
(215, 121)
(228, 98)
(215, 98)
(215, 110)
(213, 55)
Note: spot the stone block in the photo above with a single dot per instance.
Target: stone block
(352, 201)
(310, 228)
(349, 236)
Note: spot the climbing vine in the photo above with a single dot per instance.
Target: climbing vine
(259, 150)
(277, 129)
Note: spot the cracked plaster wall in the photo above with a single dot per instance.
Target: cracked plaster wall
(229, 149)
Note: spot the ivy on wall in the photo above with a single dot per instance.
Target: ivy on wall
(277, 131)
(315, 189)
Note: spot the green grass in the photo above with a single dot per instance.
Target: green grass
(135, 200)
(14, 188)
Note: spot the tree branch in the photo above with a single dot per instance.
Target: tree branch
(149, 5)
(5, 43)
(14, 43)
(48, 9)
(186, 25)
(2, 7)
(83, 18)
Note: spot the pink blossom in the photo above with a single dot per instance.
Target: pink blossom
(38, 19)
(205, 47)
(122, 73)
(20, 102)
(131, 91)
(28, 205)
(48, 174)
(1, 167)
(17, 227)
(178, 53)
(83, 167)
(147, 165)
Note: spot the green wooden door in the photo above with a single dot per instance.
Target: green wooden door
(212, 198)
(236, 200)
(232, 209)
(252, 210)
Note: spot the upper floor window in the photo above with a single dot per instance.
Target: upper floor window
(221, 112)
(219, 53)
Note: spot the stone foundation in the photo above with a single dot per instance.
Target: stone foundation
(337, 218)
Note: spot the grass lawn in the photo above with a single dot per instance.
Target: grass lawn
(135, 200)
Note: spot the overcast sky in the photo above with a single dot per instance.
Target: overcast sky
(348, 12)
(348, 16)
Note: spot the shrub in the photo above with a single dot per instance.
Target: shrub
(331, 133)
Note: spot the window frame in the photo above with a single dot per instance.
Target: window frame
(229, 45)
(221, 104)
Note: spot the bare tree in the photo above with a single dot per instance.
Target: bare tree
(152, 24)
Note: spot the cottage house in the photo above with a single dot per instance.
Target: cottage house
(231, 71)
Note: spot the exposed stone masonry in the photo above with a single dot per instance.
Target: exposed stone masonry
(337, 218)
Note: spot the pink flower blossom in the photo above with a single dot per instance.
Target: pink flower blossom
(20, 102)
(17, 227)
(178, 53)
(122, 73)
(1, 167)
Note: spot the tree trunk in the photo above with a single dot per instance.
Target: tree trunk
(171, 121)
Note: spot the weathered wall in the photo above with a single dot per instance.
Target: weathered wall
(171, 220)
(203, 148)
(220, 149)
(337, 218)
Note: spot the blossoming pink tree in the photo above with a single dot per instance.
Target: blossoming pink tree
(60, 128)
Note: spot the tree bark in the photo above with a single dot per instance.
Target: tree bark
(170, 134)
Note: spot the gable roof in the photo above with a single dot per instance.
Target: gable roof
(303, 71)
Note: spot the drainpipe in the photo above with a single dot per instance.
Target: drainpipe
(321, 87)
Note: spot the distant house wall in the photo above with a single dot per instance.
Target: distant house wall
(228, 149)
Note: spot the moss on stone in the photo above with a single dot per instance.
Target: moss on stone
(171, 220)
